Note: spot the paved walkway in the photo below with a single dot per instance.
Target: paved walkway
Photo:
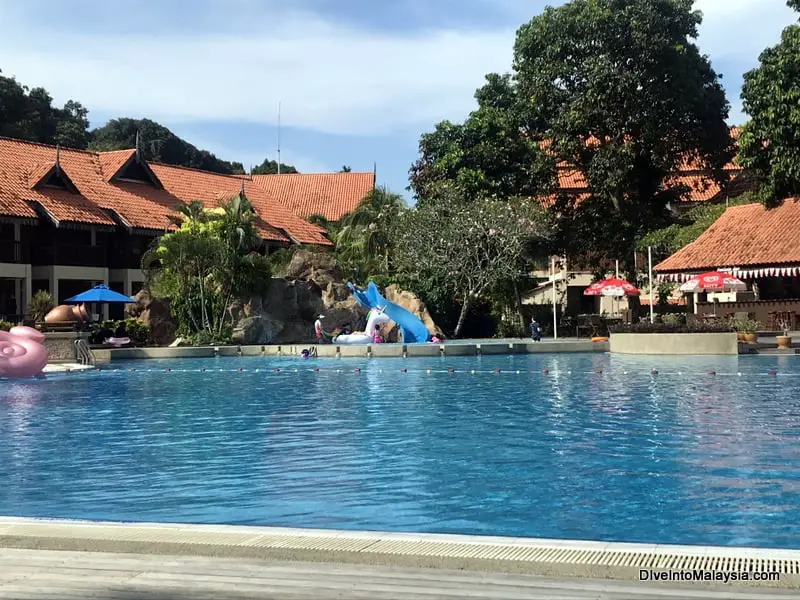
(64, 575)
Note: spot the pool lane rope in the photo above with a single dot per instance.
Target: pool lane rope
(653, 373)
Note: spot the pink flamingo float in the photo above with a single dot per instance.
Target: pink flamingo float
(22, 353)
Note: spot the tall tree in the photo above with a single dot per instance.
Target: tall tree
(270, 167)
(486, 155)
(29, 114)
(618, 89)
(769, 145)
(365, 237)
(158, 144)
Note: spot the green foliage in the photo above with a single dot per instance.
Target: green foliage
(28, 114)
(744, 325)
(210, 338)
(484, 156)
(676, 327)
(157, 144)
(687, 227)
(40, 304)
(138, 332)
(365, 238)
(769, 144)
(5, 325)
(270, 167)
(619, 90)
(210, 260)
(320, 221)
(663, 293)
(280, 259)
(460, 247)
(345, 169)
(674, 319)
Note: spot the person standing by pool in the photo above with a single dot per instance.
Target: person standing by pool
(318, 329)
(536, 330)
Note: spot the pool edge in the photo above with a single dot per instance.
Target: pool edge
(533, 556)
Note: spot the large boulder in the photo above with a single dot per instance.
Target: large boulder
(256, 330)
(313, 266)
(155, 313)
(285, 314)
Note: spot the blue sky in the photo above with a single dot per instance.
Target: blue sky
(358, 80)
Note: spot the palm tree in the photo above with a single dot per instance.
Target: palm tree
(366, 232)
(194, 210)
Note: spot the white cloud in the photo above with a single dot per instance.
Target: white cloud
(741, 29)
(329, 78)
(733, 34)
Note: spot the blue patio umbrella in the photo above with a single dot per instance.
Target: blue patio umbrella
(101, 293)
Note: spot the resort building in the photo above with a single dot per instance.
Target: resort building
(330, 195)
(757, 245)
(698, 188)
(70, 219)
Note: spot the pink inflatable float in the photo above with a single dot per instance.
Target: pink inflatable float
(22, 353)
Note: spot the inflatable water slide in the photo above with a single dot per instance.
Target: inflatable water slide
(412, 330)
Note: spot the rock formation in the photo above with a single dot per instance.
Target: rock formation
(312, 285)
(155, 313)
(286, 313)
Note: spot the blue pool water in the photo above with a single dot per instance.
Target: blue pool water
(625, 455)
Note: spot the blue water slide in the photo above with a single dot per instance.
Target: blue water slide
(412, 329)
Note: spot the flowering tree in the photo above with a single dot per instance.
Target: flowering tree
(463, 248)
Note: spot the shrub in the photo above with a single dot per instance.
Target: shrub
(138, 332)
(673, 328)
(5, 325)
(208, 338)
(674, 319)
(41, 303)
(745, 325)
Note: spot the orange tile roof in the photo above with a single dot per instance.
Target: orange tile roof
(331, 195)
(701, 187)
(138, 205)
(275, 220)
(746, 235)
(23, 164)
(37, 174)
(111, 162)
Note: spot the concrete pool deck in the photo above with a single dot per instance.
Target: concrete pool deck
(454, 348)
(496, 555)
(41, 574)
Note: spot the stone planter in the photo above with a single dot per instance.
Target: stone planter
(750, 338)
(784, 342)
(674, 343)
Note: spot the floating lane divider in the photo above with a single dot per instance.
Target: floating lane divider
(427, 371)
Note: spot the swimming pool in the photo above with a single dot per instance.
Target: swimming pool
(596, 448)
